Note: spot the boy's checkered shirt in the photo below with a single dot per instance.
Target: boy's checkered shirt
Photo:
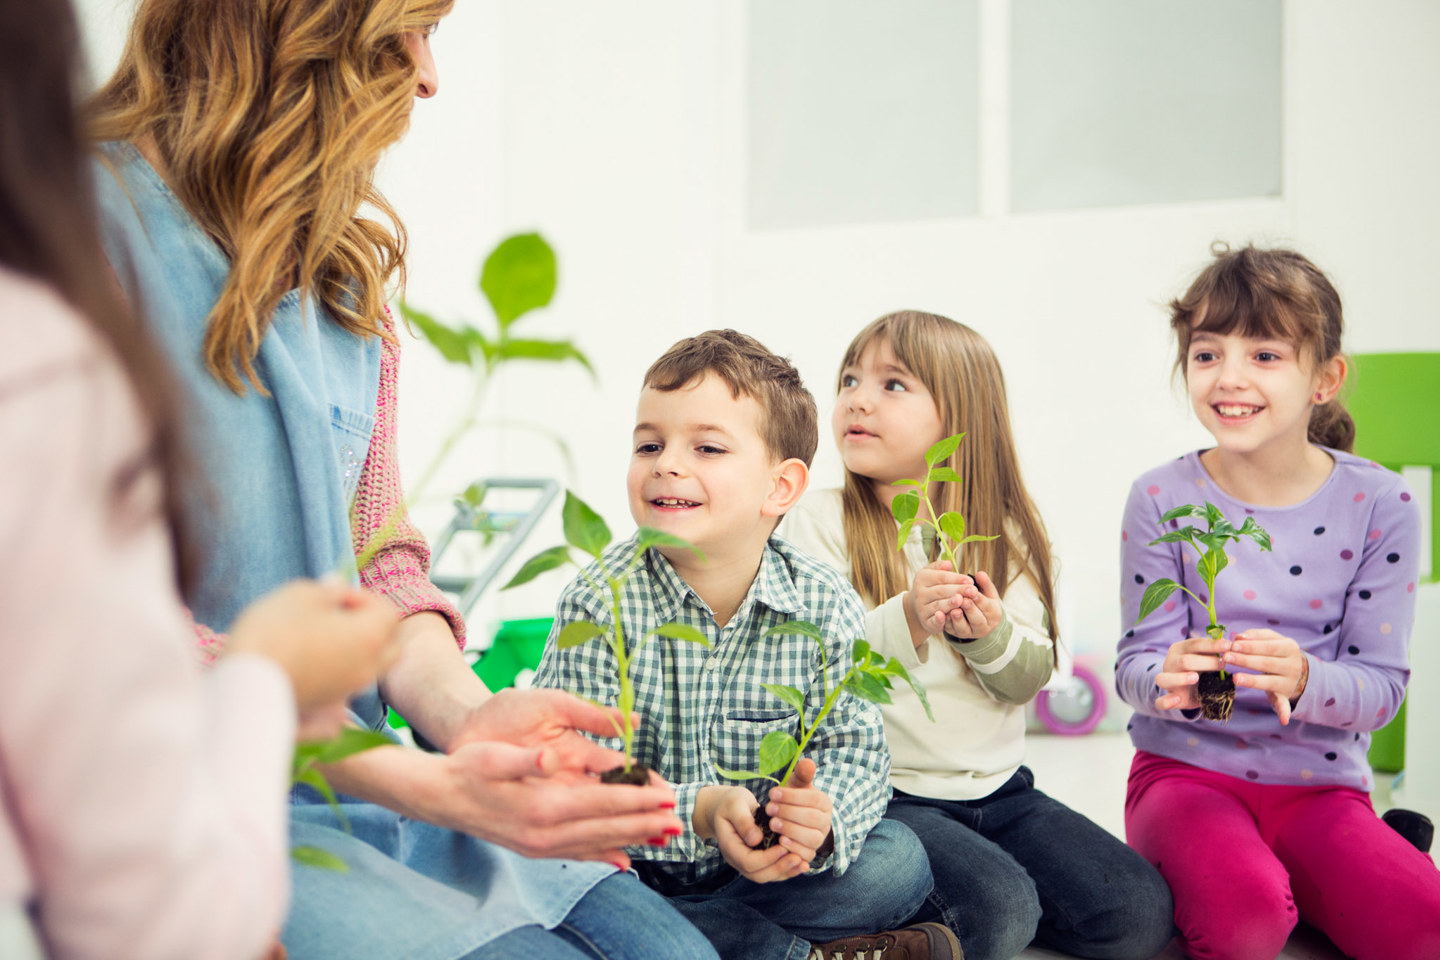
(702, 707)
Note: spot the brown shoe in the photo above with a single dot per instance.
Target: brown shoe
(924, 941)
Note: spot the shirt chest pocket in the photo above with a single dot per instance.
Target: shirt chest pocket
(350, 430)
(737, 738)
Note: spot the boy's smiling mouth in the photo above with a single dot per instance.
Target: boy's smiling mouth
(672, 503)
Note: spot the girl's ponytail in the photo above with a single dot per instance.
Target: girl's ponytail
(1331, 426)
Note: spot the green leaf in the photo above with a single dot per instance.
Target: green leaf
(1213, 514)
(801, 627)
(789, 695)
(518, 276)
(554, 351)
(896, 668)
(1255, 532)
(904, 534)
(682, 631)
(348, 742)
(945, 473)
(477, 339)
(952, 525)
(860, 651)
(740, 774)
(976, 538)
(867, 686)
(452, 344)
(1155, 594)
(577, 632)
(474, 494)
(320, 859)
(1183, 535)
(1188, 510)
(907, 483)
(777, 749)
(648, 537)
(905, 506)
(1210, 565)
(584, 528)
(943, 449)
(538, 564)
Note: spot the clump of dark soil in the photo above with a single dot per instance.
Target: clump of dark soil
(1216, 691)
(769, 837)
(638, 775)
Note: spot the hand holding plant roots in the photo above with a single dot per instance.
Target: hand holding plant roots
(586, 531)
(1214, 687)
(868, 678)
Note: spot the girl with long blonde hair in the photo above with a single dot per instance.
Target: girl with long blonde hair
(1011, 865)
(237, 145)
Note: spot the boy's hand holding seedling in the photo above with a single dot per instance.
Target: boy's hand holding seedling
(727, 815)
(1194, 673)
(941, 598)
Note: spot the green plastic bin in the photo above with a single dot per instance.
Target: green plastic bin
(1394, 399)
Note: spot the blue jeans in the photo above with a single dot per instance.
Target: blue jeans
(886, 883)
(619, 919)
(1017, 866)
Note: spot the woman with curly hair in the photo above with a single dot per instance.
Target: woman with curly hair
(238, 141)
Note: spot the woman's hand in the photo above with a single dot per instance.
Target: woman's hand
(979, 610)
(1181, 671)
(1281, 668)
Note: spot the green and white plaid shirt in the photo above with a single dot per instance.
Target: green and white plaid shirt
(700, 707)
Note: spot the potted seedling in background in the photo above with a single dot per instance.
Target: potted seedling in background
(948, 527)
(588, 533)
(868, 678)
(518, 276)
(1216, 689)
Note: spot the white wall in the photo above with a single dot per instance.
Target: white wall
(617, 129)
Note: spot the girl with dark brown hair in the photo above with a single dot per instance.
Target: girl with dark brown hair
(142, 805)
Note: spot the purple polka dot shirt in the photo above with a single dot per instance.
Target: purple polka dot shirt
(1340, 581)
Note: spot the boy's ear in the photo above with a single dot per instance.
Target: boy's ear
(788, 481)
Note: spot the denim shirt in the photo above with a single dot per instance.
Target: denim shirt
(279, 471)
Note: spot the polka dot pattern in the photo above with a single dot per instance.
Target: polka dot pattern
(1392, 558)
(1405, 497)
(1252, 775)
(1249, 594)
(1319, 531)
(1152, 489)
(1365, 594)
(1353, 650)
(1296, 570)
(1385, 628)
(1375, 534)
(1316, 604)
(1359, 497)
(1138, 578)
(1330, 702)
(1347, 555)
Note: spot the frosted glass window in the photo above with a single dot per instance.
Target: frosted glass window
(1117, 102)
(861, 111)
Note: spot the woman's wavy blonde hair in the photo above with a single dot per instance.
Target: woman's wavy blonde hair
(270, 116)
(962, 373)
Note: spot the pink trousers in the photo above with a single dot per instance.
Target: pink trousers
(1246, 860)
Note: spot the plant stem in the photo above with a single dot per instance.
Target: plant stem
(945, 549)
(462, 427)
(622, 669)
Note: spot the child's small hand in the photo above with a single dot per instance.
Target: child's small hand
(1282, 668)
(800, 812)
(979, 610)
(933, 595)
(736, 832)
(1181, 671)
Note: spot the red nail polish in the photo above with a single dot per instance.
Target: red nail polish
(668, 805)
(673, 831)
(656, 841)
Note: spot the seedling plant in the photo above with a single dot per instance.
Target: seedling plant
(948, 527)
(868, 678)
(1216, 690)
(304, 770)
(587, 532)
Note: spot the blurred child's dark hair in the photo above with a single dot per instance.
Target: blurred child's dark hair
(1273, 294)
(789, 423)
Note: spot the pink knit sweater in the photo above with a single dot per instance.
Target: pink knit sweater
(400, 569)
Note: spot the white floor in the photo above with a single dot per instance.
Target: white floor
(1088, 774)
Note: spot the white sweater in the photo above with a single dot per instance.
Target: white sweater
(977, 690)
